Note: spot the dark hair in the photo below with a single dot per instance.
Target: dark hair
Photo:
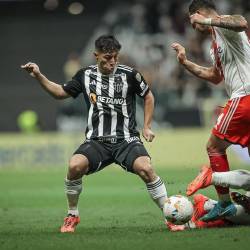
(107, 44)
(201, 4)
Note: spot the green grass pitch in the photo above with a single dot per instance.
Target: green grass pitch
(116, 211)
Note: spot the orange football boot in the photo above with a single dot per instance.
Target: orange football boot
(199, 211)
(201, 181)
(70, 223)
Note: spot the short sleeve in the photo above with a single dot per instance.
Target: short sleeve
(140, 86)
(74, 86)
(232, 37)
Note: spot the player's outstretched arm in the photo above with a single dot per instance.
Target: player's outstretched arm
(148, 116)
(232, 22)
(211, 74)
(52, 88)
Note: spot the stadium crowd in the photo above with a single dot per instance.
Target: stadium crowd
(146, 30)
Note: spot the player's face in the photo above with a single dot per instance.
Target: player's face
(107, 61)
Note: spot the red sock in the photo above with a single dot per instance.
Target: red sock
(216, 223)
(219, 163)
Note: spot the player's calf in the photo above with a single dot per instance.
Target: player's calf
(155, 186)
(142, 166)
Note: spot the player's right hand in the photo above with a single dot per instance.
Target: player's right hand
(180, 52)
(31, 68)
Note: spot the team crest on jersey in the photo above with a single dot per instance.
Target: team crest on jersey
(92, 98)
(118, 87)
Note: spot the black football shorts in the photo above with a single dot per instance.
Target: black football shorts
(101, 154)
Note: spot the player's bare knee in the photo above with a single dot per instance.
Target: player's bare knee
(213, 148)
(77, 168)
(217, 145)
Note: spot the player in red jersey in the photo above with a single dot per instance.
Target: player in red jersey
(230, 52)
(203, 205)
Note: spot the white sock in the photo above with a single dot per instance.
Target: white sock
(73, 188)
(241, 217)
(209, 204)
(247, 193)
(74, 212)
(157, 191)
(238, 179)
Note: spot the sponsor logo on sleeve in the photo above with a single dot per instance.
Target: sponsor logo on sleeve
(138, 77)
(143, 85)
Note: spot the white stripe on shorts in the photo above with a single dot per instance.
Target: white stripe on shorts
(229, 115)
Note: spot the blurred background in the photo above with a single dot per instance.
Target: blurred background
(59, 36)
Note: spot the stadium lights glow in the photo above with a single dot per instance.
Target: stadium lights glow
(75, 8)
(51, 4)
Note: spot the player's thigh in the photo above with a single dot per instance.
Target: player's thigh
(138, 161)
(128, 152)
(215, 144)
(97, 154)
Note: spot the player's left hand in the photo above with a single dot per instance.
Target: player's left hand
(197, 18)
(148, 134)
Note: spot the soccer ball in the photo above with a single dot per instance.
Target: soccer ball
(178, 209)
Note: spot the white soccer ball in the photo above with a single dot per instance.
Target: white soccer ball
(178, 209)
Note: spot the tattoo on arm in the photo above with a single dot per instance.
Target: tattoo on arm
(234, 22)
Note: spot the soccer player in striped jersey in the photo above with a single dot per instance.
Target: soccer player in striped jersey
(230, 52)
(109, 90)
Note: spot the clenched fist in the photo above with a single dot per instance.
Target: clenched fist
(148, 134)
(31, 68)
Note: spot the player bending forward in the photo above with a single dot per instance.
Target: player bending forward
(238, 179)
(203, 205)
(109, 90)
(230, 52)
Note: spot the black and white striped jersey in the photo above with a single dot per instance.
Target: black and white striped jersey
(111, 100)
